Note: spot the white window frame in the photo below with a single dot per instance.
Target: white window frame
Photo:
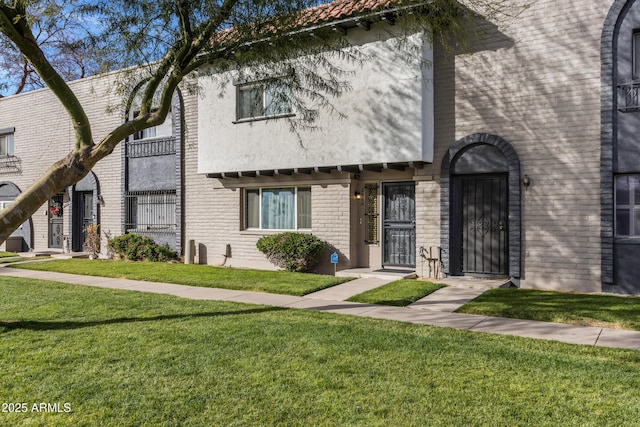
(163, 130)
(267, 91)
(635, 54)
(245, 207)
(633, 207)
(4, 204)
(7, 142)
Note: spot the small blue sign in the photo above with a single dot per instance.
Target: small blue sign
(334, 258)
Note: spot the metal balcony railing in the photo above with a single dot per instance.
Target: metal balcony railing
(151, 147)
(10, 164)
(629, 97)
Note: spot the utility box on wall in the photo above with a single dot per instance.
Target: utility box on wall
(14, 244)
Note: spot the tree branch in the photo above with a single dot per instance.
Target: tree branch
(14, 25)
(183, 11)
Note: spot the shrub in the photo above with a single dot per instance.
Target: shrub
(292, 251)
(134, 247)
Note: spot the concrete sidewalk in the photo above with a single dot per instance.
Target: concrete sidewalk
(601, 337)
(346, 290)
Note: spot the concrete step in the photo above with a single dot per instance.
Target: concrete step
(379, 273)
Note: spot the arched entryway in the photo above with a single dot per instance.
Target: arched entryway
(21, 239)
(481, 215)
(620, 150)
(83, 197)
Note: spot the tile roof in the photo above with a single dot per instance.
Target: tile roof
(342, 9)
(326, 13)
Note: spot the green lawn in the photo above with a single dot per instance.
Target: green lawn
(121, 358)
(7, 257)
(562, 307)
(7, 260)
(278, 282)
(399, 293)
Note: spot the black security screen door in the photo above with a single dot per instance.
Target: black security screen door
(83, 216)
(399, 241)
(484, 224)
(55, 221)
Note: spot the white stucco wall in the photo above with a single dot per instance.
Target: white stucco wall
(389, 113)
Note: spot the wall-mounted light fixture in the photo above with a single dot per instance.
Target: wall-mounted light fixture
(526, 181)
(357, 195)
(100, 199)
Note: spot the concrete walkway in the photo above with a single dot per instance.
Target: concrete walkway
(447, 299)
(602, 337)
(347, 290)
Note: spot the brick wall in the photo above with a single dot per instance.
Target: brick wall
(213, 216)
(428, 227)
(43, 134)
(536, 83)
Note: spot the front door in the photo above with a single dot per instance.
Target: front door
(55, 221)
(484, 224)
(399, 224)
(82, 217)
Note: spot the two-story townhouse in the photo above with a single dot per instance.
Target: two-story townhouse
(137, 188)
(40, 133)
(517, 156)
(495, 160)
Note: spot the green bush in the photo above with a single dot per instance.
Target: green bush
(134, 247)
(292, 251)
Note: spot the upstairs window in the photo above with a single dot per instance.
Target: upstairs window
(636, 54)
(6, 142)
(278, 208)
(262, 101)
(628, 206)
(163, 130)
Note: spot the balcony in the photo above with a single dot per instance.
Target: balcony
(151, 147)
(10, 164)
(629, 97)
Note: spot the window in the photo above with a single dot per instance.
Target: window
(260, 100)
(636, 55)
(371, 214)
(628, 206)
(151, 212)
(4, 204)
(6, 145)
(163, 130)
(278, 208)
